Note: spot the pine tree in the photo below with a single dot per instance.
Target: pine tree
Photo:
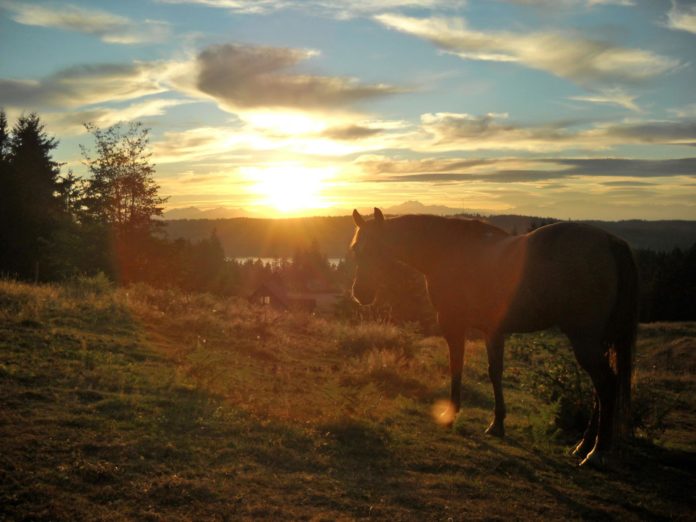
(7, 192)
(32, 212)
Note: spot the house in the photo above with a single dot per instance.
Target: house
(314, 299)
(270, 293)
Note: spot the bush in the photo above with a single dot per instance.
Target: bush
(554, 376)
(82, 286)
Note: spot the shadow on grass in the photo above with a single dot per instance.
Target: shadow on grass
(651, 482)
(362, 461)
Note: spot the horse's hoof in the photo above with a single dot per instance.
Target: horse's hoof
(495, 430)
(595, 459)
(580, 450)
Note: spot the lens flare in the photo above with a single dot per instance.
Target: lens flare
(443, 412)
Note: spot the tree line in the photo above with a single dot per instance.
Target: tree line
(56, 226)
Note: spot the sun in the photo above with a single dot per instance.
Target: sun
(289, 188)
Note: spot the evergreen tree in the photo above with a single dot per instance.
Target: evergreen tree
(71, 193)
(32, 212)
(7, 192)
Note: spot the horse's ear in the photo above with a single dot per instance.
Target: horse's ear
(359, 220)
(379, 217)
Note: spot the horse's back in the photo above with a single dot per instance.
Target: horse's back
(568, 279)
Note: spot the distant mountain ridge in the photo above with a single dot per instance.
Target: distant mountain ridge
(264, 237)
(213, 213)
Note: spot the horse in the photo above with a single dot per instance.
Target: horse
(572, 276)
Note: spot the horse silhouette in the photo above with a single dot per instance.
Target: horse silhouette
(573, 276)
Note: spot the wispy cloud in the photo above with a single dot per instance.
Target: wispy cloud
(571, 3)
(451, 131)
(107, 26)
(688, 111)
(682, 17)
(334, 8)
(612, 96)
(579, 59)
(527, 171)
(72, 122)
(444, 132)
(85, 85)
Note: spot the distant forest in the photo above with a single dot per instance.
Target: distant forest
(57, 226)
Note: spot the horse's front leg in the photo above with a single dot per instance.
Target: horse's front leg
(456, 343)
(495, 345)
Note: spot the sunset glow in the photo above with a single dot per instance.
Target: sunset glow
(288, 188)
(583, 111)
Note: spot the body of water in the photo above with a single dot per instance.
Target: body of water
(333, 261)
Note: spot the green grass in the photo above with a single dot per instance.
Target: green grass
(137, 404)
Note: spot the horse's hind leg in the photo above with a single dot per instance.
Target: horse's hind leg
(590, 436)
(495, 346)
(589, 353)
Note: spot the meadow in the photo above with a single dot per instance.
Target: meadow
(143, 404)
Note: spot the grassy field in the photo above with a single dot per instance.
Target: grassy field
(136, 404)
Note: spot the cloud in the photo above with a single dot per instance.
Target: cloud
(85, 85)
(681, 132)
(615, 96)
(571, 3)
(73, 122)
(518, 170)
(682, 18)
(334, 8)
(688, 111)
(450, 131)
(350, 132)
(109, 27)
(581, 60)
(446, 131)
(245, 77)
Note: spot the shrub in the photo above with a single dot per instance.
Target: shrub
(554, 376)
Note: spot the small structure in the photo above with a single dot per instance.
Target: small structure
(313, 299)
(270, 293)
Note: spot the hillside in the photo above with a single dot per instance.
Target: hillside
(247, 237)
(136, 404)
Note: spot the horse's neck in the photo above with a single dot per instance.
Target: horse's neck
(419, 243)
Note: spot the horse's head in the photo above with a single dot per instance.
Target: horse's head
(370, 257)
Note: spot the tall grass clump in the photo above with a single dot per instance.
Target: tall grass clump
(357, 340)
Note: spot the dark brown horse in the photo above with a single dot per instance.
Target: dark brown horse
(567, 275)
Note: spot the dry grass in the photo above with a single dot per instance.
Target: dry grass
(136, 404)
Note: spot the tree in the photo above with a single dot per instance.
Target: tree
(122, 199)
(31, 213)
(7, 192)
(71, 193)
(122, 193)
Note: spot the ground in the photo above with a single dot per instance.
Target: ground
(138, 404)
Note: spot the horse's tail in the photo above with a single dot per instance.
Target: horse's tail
(622, 331)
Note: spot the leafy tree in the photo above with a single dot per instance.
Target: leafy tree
(122, 193)
(121, 199)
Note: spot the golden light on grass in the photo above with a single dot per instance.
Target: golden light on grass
(289, 188)
(443, 412)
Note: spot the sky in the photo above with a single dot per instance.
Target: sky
(573, 109)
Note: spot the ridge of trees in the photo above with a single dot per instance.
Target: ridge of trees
(56, 226)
